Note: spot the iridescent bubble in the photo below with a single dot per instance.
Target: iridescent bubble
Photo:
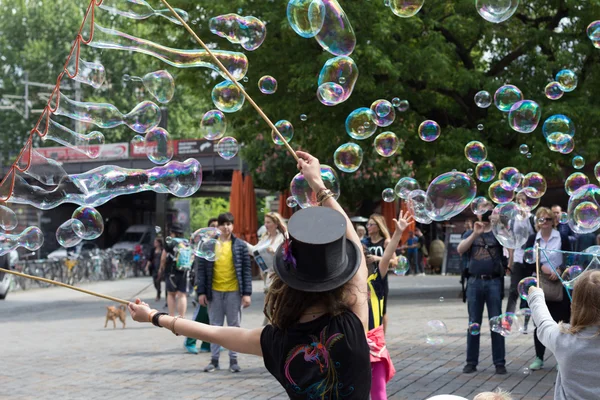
(523, 149)
(227, 97)
(8, 218)
(512, 176)
(306, 17)
(500, 192)
(524, 116)
(528, 155)
(336, 80)
(475, 152)
(419, 206)
(553, 91)
(429, 131)
(534, 185)
(305, 196)
(570, 275)
(480, 205)
(348, 157)
(556, 127)
(93, 224)
(208, 249)
(404, 186)
(587, 215)
(355, 123)
(506, 225)
(524, 316)
(568, 146)
(575, 181)
(286, 129)
(578, 162)
(563, 218)
(213, 125)
(449, 194)
(336, 36)
(470, 171)
(227, 147)
(31, 238)
(160, 84)
(330, 94)
(593, 30)
(567, 80)
(403, 105)
(506, 324)
(388, 195)
(525, 284)
(525, 202)
(202, 235)
(384, 112)
(474, 329)
(402, 268)
(485, 171)
(597, 171)
(303, 117)
(583, 208)
(506, 96)
(267, 84)
(435, 332)
(341, 80)
(529, 255)
(159, 146)
(69, 233)
(396, 101)
(291, 202)
(139, 144)
(386, 144)
(406, 8)
(483, 99)
(249, 32)
(140, 9)
(496, 11)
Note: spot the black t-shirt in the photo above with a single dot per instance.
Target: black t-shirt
(327, 358)
(171, 258)
(380, 285)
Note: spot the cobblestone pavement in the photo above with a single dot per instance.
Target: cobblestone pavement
(54, 345)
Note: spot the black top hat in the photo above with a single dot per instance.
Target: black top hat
(318, 257)
(176, 228)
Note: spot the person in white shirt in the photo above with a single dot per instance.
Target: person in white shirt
(264, 251)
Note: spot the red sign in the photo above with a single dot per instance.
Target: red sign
(113, 151)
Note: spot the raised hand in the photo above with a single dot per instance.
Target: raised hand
(478, 228)
(404, 218)
(311, 169)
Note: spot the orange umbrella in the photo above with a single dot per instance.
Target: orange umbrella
(235, 203)
(283, 209)
(388, 210)
(411, 226)
(250, 216)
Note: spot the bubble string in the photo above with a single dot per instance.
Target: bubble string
(232, 79)
(537, 265)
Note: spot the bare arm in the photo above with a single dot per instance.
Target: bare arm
(390, 249)
(163, 262)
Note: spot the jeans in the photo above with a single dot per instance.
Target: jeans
(480, 292)
(224, 304)
(519, 271)
(413, 259)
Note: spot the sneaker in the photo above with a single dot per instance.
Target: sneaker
(213, 366)
(500, 369)
(191, 349)
(204, 350)
(536, 364)
(222, 348)
(234, 367)
(469, 369)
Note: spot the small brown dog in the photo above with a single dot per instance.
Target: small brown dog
(113, 313)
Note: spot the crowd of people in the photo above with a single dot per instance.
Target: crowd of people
(326, 294)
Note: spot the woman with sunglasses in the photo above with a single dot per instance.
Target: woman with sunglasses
(552, 262)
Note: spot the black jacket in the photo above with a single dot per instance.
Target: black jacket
(241, 262)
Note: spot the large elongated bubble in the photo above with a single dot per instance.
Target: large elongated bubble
(89, 144)
(142, 118)
(31, 238)
(90, 73)
(306, 17)
(336, 35)
(235, 63)
(250, 32)
(343, 73)
(160, 84)
(449, 194)
(140, 9)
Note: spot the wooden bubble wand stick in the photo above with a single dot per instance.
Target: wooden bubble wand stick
(232, 79)
(537, 264)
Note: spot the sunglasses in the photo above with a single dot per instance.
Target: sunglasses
(542, 220)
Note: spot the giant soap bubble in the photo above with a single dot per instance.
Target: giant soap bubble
(306, 17)
(449, 194)
(510, 225)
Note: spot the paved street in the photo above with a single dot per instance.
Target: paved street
(54, 345)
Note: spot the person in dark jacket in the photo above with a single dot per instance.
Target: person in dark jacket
(225, 285)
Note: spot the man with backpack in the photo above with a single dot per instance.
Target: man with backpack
(175, 262)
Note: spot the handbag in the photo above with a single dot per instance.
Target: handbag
(553, 290)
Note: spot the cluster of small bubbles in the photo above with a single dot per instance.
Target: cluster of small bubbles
(93, 224)
(405, 186)
(384, 112)
(526, 283)
(556, 127)
(485, 171)
(291, 202)
(306, 17)
(575, 181)
(429, 131)
(470, 171)
(567, 80)
(480, 205)
(305, 196)
(534, 185)
(348, 157)
(227, 97)
(563, 218)
(227, 147)
(474, 328)
(303, 117)
(496, 11)
(553, 91)
(475, 152)
(402, 267)
(529, 255)
(506, 96)
(483, 99)
(505, 324)
(500, 192)
(449, 194)
(159, 146)
(267, 84)
(386, 144)
(523, 149)
(435, 332)
(286, 129)
(8, 218)
(578, 162)
(69, 233)
(249, 32)
(524, 116)
(405, 8)
(403, 106)
(388, 195)
(213, 125)
(507, 226)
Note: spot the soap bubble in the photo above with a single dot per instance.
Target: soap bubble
(475, 152)
(406, 8)
(500, 192)
(386, 144)
(480, 205)
(597, 171)
(305, 196)
(403, 106)
(69, 233)
(586, 215)
(336, 36)
(330, 93)
(356, 122)
(470, 171)
(93, 224)
(435, 332)
(139, 144)
(506, 96)
(227, 147)
(553, 91)
(485, 171)
(583, 208)
(208, 249)
(534, 185)
(523, 315)
(505, 324)
(419, 205)
(429, 131)
(388, 195)
(529, 255)
(267, 84)
(525, 284)
(578, 162)
(384, 112)
(402, 267)
(250, 32)
(593, 31)
(396, 101)
(528, 155)
(286, 129)
(201, 236)
(564, 217)
(575, 181)
(570, 275)
(160, 84)
(157, 229)
(474, 329)
(509, 225)
(496, 11)
(441, 299)
(483, 99)
(511, 176)
(525, 202)
(306, 17)
(303, 117)
(227, 97)
(567, 80)
(291, 202)
(8, 218)
(348, 157)
(213, 125)
(404, 186)
(159, 146)
(556, 127)
(523, 149)
(449, 194)
(479, 127)
(524, 116)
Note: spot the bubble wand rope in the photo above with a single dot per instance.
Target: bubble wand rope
(537, 264)
(232, 79)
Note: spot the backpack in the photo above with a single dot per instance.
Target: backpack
(184, 258)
